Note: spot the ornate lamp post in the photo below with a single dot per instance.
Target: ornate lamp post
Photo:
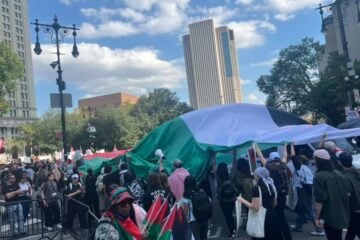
(58, 33)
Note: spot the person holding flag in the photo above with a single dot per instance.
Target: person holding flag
(123, 220)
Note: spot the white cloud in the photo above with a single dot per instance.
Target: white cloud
(244, 2)
(69, 2)
(105, 14)
(251, 33)
(245, 81)
(284, 16)
(144, 16)
(266, 63)
(283, 10)
(101, 70)
(108, 29)
(219, 14)
(255, 97)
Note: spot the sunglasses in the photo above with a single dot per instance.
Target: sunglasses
(125, 203)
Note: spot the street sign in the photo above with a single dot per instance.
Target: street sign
(356, 95)
(55, 100)
(351, 114)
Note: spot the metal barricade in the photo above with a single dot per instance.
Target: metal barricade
(30, 219)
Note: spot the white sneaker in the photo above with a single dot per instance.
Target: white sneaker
(59, 226)
(48, 228)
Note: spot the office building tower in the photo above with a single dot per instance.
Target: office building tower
(14, 31)
(211, 65)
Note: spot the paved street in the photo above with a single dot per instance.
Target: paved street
(219, 230)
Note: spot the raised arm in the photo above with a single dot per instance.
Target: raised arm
(260, 155)
(292, 150)
(285, 154)
(322, 141)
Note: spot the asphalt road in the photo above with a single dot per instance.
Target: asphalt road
(218, 229)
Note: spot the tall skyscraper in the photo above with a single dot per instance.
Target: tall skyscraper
(211, 65)
(14, 31)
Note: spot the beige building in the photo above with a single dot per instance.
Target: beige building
(211, 65)
(90, 105)
(14, 31)
(333, 42)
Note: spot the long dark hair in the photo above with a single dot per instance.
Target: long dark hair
(242, 165)
(222, 172)
(324, 165)
(153, 181)
(189, 186)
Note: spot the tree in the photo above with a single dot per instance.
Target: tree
(292, 78)
(159, 106)
(330, 94)
(11, 70)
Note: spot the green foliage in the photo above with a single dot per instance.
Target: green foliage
(292, 78)
(294, 84)
(121, 126)
(331, 93)
(11, 70)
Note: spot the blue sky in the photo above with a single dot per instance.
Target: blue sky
(134, 46)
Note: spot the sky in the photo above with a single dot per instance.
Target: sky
(134, 46)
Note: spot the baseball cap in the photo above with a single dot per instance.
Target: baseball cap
(274, 156)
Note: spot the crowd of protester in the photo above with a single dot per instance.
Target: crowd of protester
(329, 197)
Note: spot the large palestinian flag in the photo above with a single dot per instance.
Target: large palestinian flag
(192, 136)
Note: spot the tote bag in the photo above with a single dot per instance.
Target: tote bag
(255, 226)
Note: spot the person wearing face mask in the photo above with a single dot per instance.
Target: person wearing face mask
(123, 220)
(265, 184)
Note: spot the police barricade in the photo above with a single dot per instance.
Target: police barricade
(45, 219)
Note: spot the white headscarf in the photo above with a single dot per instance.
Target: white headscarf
(264, 174)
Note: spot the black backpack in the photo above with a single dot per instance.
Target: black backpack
(228, 191)
(202, 206)
(281, 176)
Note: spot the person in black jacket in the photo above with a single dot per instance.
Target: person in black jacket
(154, 190)
(353, 179)
(75, 207)
(91, 197)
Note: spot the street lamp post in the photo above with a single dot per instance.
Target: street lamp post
(344, 43)
(58, 33)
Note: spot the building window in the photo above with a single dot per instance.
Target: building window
(5, 10)
(6, 18)
(7, 34)
(20, 46)
(20, 38)
(5, 2)
(19, 30)
(227, 54)
(21, 54)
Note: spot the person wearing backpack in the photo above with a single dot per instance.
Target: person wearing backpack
(227, 197)
(352, 177)
(281, 175)
(197, 208)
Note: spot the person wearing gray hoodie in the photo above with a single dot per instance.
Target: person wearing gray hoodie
(352, 176)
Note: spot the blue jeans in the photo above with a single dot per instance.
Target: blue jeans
(16, 217)
(304, 209)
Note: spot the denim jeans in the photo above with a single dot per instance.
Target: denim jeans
(304, 209)
(16, 218)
